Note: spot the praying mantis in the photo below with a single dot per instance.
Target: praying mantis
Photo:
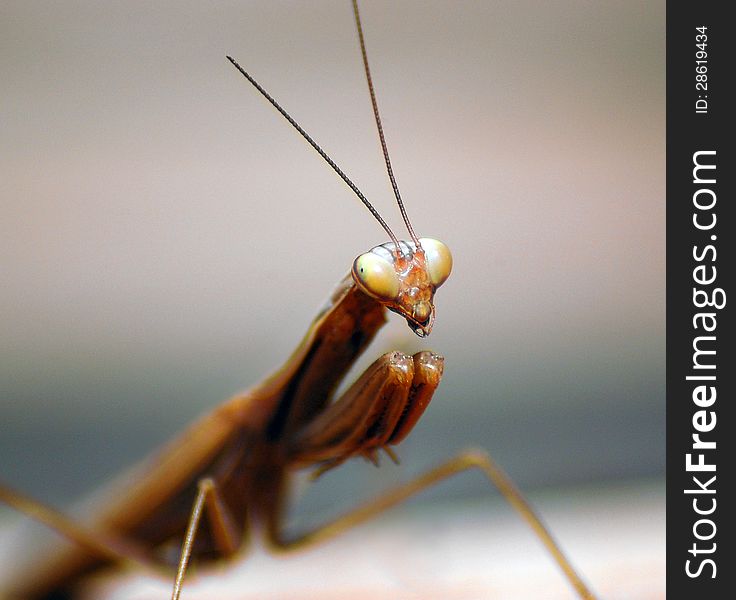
(197, 499)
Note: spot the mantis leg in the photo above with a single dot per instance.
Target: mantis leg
(102, 545)
(378, 410)
(473, 459)
(226, 534)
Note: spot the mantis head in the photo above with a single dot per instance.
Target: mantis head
(405, 278)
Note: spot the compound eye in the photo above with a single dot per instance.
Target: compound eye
(376, 276)
(439, 260)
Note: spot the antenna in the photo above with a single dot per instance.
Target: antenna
(380, 126)
(321, 152)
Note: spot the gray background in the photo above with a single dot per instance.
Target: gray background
(166, 238)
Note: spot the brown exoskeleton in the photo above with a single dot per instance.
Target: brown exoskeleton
(233, 465)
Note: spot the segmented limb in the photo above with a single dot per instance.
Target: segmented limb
(226, 534)
(472, 459)
(102, 545)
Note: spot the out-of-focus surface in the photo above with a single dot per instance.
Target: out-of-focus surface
(460, 551)
(166, 238)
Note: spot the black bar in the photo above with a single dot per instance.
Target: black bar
(700, 134)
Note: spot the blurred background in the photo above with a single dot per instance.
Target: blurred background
(166, 238)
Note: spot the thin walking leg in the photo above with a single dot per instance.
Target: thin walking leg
(467, 460)
(225, 533)
(102, 545)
